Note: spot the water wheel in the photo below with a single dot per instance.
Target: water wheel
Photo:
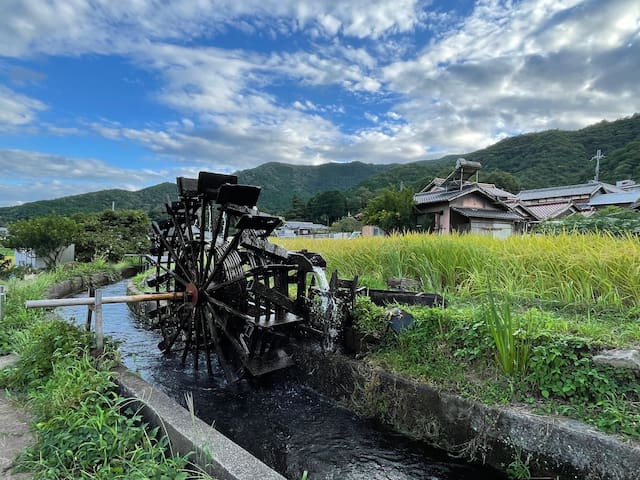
(245, 298)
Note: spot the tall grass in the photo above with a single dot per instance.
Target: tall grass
(510, 336)
(594, 270)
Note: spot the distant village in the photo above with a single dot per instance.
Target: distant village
(461, 204)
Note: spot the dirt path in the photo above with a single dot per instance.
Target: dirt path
(15, 435)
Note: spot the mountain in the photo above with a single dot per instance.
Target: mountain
(534, 160)
(543, 159)
(149, 199)
(279, 182)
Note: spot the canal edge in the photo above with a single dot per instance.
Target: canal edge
(188, 435)
(210, 450)
(552, 447)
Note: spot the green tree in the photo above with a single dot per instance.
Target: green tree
(111, 234)
(346, 224)
(503, 180)
(297, 210)
(392, 210)
(327, 207)
(46, 236)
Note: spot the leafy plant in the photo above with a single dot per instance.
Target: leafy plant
(518, 469)
(510, 336)
(370, 318)
(83, 428)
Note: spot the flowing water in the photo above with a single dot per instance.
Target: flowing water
(289, 427)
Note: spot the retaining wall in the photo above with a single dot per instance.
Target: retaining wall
(551, 447)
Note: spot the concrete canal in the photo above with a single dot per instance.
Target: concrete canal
(289, 427)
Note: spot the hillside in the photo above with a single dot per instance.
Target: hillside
(281, 181)
(149, 199)
(543, 159)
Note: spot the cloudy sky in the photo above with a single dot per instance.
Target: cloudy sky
(98, 94)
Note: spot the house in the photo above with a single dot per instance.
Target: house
(624, 200)
(557, 202)
(456, 204)
(28, 258)
(296, 228)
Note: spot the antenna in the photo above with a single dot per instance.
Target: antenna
(597, 157)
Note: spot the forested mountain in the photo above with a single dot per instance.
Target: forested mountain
(544, 159)
(534, 160)
(151, 200)
(281, 181)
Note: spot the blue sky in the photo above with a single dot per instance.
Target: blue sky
(98, 94)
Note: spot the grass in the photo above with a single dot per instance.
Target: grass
(525, 317)
(511, 337)
(83, 428)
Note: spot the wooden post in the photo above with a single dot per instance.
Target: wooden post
(99, 332)
(1, 299)
(92, 292)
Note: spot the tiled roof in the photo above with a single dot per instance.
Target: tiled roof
(615, 198)
(549, 210)
(422, 198)
(566, 191)
(496, 192)
(487, 213)
(562, 191)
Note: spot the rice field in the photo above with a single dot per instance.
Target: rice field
(593, 271)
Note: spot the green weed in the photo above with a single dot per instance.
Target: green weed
(510, 336)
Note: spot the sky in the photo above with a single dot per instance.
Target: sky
(98, 94)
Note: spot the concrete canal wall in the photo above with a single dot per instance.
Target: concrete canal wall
(210, 450)
(550, 447)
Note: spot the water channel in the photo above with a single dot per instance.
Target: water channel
(288, 426)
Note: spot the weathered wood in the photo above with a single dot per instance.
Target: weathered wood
(99, 332)
(66, 302)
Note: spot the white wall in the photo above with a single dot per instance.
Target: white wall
(27, 258)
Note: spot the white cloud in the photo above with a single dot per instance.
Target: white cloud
(82, 26)
(521, 67)
(507, 67)
(40, 176)
(16, 109)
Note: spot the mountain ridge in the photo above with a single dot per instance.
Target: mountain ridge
(534, 160)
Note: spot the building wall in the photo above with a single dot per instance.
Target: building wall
(27, 258)
(493, 228)
(472, 201)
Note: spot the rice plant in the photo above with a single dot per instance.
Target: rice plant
(581, 271)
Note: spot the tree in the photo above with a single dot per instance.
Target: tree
(297, 210)
(392, 210)
(503, 180)
(46, 236)
(111, 234)
(346, 224)
(327, 207)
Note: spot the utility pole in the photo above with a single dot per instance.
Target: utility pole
(597, 157)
